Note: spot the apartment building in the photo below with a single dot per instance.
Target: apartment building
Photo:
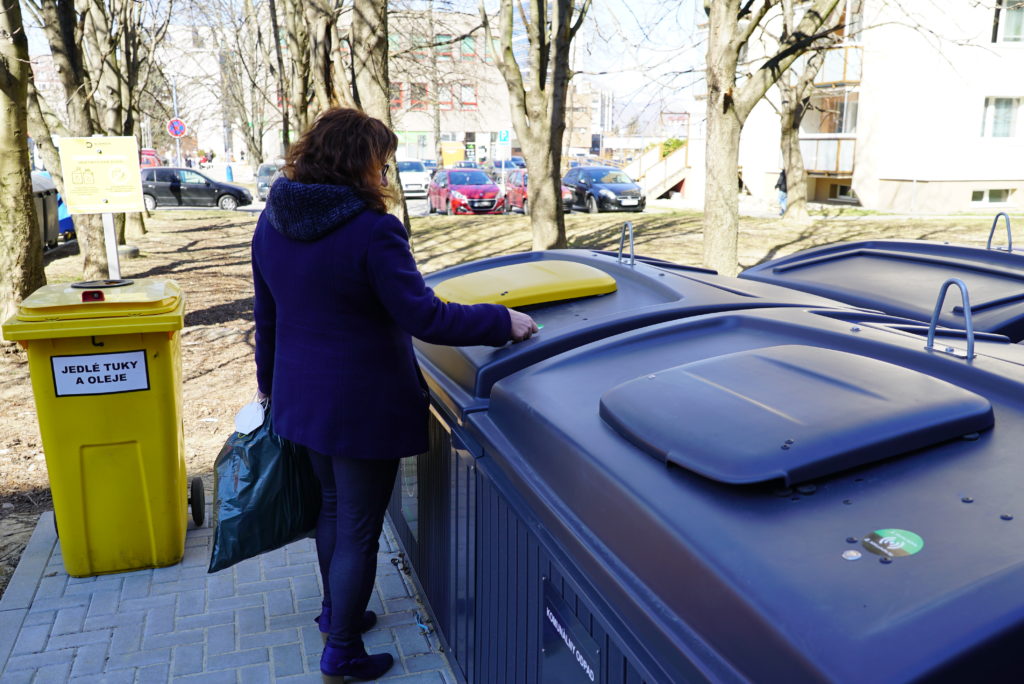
(919, 109)
(444, 85)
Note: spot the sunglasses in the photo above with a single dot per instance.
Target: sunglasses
(384, 170)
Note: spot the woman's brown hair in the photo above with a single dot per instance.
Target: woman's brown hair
(345, 147)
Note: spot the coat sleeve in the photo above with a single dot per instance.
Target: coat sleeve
(413, 306)
(265, 314)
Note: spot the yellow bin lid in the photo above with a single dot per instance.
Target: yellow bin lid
(100, 307)
(532, 282)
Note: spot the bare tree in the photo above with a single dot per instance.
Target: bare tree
(538, 101)
(21, 249)
(730, 101)
(101, 50)
(241, 64)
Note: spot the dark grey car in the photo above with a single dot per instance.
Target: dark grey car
(176, 187)
(604, 188)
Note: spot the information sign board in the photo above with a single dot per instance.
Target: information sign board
(101, 175)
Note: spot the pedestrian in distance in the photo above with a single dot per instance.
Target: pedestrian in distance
(338, 299)
(780, 185)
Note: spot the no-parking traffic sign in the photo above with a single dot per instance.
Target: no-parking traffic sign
(176, 127)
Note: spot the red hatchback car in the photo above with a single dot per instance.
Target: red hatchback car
(464, 191)
(517, 195)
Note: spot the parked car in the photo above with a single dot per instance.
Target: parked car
(431, 165)
(464, 191)
(414, 177)
(603, 188)
(148, 158)
(498, 169)
(265, 176)
(520, 162)
(176, 187)
(465, 164)
(517, 193)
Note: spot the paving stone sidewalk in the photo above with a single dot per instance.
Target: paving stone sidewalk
(248, 624)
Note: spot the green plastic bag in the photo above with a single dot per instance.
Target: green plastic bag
(266, 495)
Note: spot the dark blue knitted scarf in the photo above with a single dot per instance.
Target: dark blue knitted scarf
(308, 211)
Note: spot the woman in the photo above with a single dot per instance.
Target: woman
(338, 300)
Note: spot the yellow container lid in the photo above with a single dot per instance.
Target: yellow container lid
(532, 282)
(101, 307)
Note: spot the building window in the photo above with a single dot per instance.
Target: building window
(1000, 120)
(419, 45)
(417, 96)
(467, 96)
(443, 46)
(832, 113)
(468, 48)
(1008, 24)
(843, 193)
(396, 95)
(991, 196)
(444, 97)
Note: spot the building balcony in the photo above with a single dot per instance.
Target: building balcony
(828, 156)
(841, 67)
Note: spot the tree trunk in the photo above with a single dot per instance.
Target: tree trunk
(793, 161)
(21, 249)
(298, 50)
(721, 208)
(135, 225)
(369, 39)
(546, 212)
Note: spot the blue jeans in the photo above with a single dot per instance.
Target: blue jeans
(782, 202)
(355, 494)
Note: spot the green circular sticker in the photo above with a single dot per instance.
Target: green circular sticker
(893, 543)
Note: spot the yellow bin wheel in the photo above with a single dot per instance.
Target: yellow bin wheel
(197, 501)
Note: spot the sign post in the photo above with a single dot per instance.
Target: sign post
(504, 152)
(101, 176)
(177, 129)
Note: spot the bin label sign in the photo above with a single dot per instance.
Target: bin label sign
(570, 654)
(100, 373)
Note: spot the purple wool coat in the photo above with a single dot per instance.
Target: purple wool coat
(338, 300)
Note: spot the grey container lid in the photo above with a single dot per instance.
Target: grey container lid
(793, 412)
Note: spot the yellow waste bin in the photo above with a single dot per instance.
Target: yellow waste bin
(105, 362)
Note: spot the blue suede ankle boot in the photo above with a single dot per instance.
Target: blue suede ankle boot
(335, 666)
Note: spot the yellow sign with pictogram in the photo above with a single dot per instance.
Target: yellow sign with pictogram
(101, 175)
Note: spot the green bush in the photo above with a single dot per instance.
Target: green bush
(671, 145)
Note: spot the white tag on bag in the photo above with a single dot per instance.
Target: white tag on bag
(249, 417)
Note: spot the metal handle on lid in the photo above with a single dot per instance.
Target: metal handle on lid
(622, 240)
(967, 320)
(1009, 235)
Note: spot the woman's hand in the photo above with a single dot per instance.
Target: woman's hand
(522, 325)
